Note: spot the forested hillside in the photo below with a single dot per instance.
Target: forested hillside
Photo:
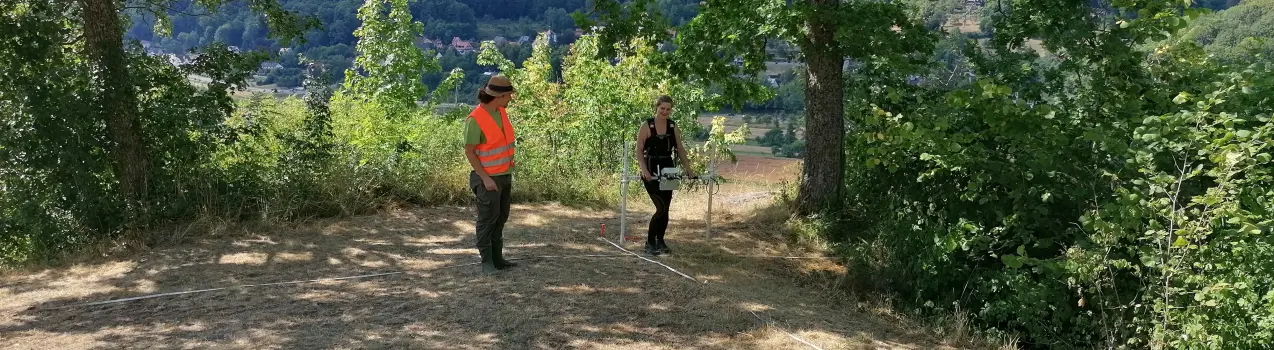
(453, 28)
(234, 24)
(1237, 33)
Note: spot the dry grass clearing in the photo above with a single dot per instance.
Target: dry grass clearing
(760, 170)
(547, 303)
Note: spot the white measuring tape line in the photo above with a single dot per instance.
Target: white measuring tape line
(755, 256)
(152, 296)
(790, 335)
(758, 317)
(628, 253)
(644, 258)
(160, 295)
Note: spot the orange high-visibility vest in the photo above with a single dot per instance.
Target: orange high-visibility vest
(496, 154)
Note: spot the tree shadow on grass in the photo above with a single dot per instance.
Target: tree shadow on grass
(605, 302)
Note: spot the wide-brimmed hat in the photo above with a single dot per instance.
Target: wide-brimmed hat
(499, 85)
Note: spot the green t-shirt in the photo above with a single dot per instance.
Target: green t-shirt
(473, 136)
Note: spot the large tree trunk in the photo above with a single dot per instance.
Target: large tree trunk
(823, 168)
(116, 99)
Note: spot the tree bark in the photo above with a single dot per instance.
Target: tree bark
(822, 176)
(116, 98)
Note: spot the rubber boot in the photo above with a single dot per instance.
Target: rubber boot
(499, 261)
(488, 261)
(663, 247)
(652, 249)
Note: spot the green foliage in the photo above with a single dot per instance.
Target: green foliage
(1216, 5)
(42, 90)
(934, 13)
(177, 27)
(717, 147)
(389, 66)
(774, 137)
(952, 66)
(727, 47)
(579, 127)
(240, 22)
(788, 94)
(733, 35)
(285, 26)
(1109, 198)
(1201, 213)
(1238, 33)
(332, 153)
(58, 188)
(783, 141)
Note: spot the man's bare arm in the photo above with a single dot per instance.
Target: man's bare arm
(471, 153)
(641, 144)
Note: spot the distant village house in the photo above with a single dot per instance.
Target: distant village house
(461, 46)
(268, 67)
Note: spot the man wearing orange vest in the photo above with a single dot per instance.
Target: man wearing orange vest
(489, 146)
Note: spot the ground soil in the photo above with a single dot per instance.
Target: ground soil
(435, 298)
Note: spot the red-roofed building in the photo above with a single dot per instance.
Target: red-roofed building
(461, 46)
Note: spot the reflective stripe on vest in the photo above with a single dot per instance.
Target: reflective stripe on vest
(496, 153)
(495, 163)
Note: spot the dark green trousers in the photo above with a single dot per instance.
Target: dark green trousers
(493, 212)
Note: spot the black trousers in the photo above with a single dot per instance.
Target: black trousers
(658, 222)
(493, 210)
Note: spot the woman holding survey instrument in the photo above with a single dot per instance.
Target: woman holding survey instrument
(658, 139)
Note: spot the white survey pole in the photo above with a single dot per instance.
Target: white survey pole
(623, 198)
(712, 166)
